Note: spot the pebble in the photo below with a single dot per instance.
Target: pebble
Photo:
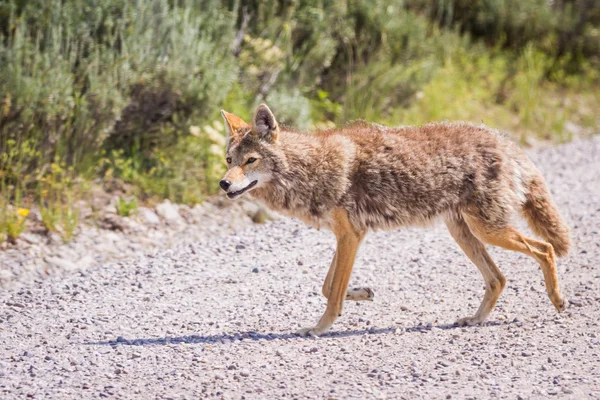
(576, 301)
(148, 216)
(169, 212)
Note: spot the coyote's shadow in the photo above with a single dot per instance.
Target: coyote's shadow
(232, 338)
(222, 338)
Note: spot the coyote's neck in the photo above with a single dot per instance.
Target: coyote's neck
(310, 176)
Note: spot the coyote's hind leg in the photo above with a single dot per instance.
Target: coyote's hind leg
(354, 294)
(475, 250)
(511, 239)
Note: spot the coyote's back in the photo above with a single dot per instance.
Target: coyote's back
(411, 175)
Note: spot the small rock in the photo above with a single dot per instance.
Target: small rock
(5, 275)
(169, 212)
(113, 222)
(219, 376)
(576, 301)
(148, 216)
(30, 238)
(244, 373)
(61, 263)
(255, 270)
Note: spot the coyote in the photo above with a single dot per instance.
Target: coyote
(367, 176)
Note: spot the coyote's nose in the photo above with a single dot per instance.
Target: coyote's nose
(224, 184)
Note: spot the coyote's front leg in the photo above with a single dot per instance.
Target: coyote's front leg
(348, 241)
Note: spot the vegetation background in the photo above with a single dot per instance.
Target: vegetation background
(96, 92)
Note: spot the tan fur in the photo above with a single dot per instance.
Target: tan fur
(365, 177)
(543, 218)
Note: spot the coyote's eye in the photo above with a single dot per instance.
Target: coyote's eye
(228, 159)
(250, 160)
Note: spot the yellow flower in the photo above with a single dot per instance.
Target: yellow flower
(23, 212)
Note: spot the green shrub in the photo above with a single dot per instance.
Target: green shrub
(117, 75)
(126, 207)
(132, 89)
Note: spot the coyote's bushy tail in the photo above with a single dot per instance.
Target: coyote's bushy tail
(543, 217)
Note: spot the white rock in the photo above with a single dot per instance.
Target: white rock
(148, 216)
(61, 263)
(169, 212)
(85, 261)
(30, 238)
(5, 275)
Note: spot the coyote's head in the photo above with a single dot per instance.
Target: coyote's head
(250, 151)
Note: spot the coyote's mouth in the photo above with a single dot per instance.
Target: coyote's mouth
(233, 195)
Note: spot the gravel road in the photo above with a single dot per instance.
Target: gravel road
(215, 319)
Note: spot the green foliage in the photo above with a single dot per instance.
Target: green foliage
(504, 92)
(131, 89)
(12, 221)
(80, 76)
(58, 194)
(126, 207)
(561, 29)
(62, 218)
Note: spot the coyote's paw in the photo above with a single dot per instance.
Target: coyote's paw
(360, 294)
(561, 305)
(314, 332)
(469, 321)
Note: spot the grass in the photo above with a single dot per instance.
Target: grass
(485, 88)
(60, 218)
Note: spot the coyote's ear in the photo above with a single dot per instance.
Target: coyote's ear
(233, 124)
(264, 124)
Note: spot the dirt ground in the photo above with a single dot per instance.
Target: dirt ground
(215, 318)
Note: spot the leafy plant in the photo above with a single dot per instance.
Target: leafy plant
(12, 222)
(126, 207)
